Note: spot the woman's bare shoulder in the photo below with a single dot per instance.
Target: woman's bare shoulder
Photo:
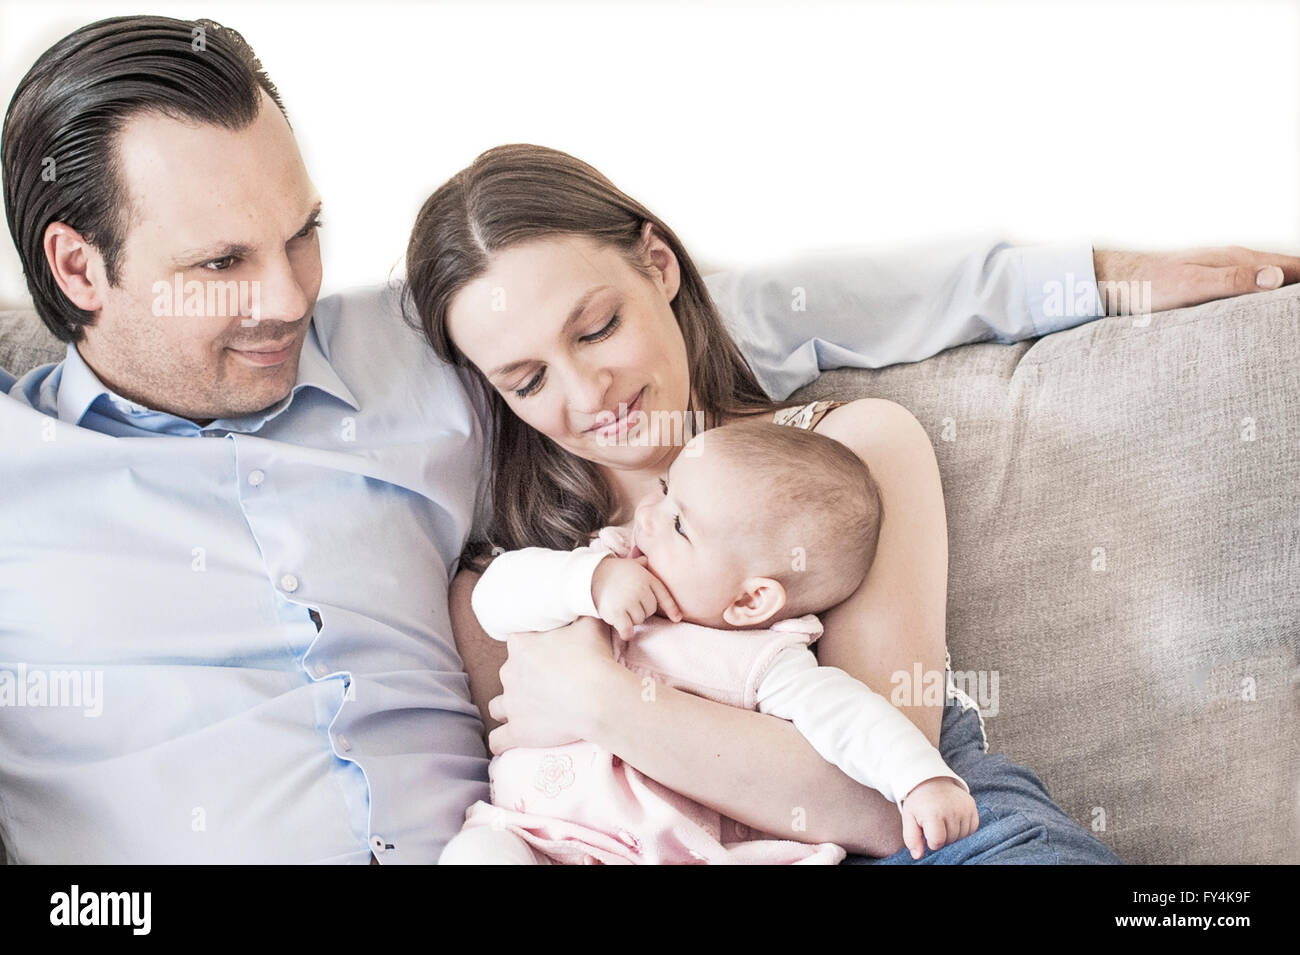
(872, 425)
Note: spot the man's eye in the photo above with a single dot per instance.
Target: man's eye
(531, 387)
(309, 229)
(221, 264)
(677, 523)
(603, 333)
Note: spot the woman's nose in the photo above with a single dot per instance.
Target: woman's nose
(588, 390)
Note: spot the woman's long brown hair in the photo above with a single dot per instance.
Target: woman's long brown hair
(541, 494)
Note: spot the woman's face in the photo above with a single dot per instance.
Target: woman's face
(578, 341)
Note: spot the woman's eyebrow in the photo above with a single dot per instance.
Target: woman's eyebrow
(579, 307)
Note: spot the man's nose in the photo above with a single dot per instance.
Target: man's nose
(276, 295)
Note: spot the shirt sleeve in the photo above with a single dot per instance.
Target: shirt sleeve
(535, 589)
(796, 319)
(851, 725)
(483, 492)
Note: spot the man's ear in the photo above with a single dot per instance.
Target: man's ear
(77, 266)
(662, 258)
(761, 599)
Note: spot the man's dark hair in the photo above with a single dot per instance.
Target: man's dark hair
(59, 145)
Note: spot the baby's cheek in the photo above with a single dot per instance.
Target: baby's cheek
(691, 589)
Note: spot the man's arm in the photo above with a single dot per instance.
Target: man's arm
(795, 319)
(855, 310)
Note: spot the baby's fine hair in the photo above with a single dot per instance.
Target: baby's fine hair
(820, 520)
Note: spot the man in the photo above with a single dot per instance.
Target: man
(232, 511)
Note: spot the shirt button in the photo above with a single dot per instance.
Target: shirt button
(256, 477)
(377, 844)
(344, 743)
(289, 583)
(320, 670)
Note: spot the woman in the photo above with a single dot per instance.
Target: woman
(576, 307)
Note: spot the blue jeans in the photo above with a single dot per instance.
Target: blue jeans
(1019, 823)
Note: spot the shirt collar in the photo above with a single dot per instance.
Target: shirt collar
(80, 389)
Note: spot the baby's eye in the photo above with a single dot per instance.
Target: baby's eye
(664, 485)
(677, 524)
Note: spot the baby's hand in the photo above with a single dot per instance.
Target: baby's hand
(626, 593)
(941, 809)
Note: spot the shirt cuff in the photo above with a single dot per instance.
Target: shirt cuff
(1060, 286)
(578, 573)
(925, 771)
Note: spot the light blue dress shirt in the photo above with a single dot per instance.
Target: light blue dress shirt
(166, 694)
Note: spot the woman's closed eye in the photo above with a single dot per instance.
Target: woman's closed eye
(604, 332)
(535, 382)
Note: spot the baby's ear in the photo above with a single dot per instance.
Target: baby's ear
(760, 599)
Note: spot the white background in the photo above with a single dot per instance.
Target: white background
(759, 130)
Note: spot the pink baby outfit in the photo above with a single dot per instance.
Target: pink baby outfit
(579, 803)
(582, 804)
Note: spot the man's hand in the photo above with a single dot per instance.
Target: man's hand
(941, 810)
(626, 593)
(1186, 277)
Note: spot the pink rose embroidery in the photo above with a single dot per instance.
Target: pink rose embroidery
(554, 774)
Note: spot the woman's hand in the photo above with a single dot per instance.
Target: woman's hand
(551, 683)
(1138, 282)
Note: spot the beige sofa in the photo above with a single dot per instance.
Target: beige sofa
(1124, 582)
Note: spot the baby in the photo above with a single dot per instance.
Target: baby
(757, 527)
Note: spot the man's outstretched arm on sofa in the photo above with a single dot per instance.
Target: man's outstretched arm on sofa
(856, 309)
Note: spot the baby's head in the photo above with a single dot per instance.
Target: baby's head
(759, 522)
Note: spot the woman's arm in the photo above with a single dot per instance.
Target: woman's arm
(565, 685)
(481, 655)
(896, 621)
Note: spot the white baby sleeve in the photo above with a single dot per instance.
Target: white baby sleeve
(535, 589)
(850, 725)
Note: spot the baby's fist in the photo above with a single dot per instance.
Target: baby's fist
(626, 593)
(937, 811)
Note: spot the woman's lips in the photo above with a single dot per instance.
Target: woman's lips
(615, 428)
